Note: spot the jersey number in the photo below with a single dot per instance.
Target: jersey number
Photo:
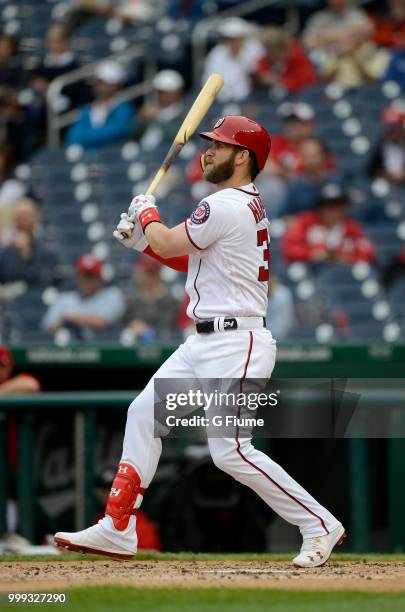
(263, 239)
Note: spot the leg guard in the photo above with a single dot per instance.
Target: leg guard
(124, 492)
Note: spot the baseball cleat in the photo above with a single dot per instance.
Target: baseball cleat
(316, 551)
(92, 541)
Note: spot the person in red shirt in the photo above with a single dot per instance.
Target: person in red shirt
(389, 30)
(298, 124)
(286, 157)
(22, 383)
(286, 160)
(327, 234)
(285, 65)
(13, 385)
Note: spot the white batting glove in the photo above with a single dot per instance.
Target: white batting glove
(144, 210)
(129, 234)
(139, 203)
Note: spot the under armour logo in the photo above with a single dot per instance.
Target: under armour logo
(122, 469)
(115, 492)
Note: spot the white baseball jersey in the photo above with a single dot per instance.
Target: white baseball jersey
(229, 274)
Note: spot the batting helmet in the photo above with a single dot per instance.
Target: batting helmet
(244, 132)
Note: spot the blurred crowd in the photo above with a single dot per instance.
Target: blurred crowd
(340, 42)
(337, 42)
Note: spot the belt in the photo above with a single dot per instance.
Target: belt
(230, 324)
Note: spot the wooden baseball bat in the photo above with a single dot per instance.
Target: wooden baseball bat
(191, 122)
(193, 119)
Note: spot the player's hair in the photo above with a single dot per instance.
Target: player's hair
(254, 169)
(253, 166)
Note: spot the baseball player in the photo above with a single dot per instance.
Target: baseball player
(224, 247)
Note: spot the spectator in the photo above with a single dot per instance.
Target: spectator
(152, 312)
(285, 66)
(91, 307)
(396, 68)
(388, 158)
(235, 58)
(302, 192)
(327, 234)
(389, 30)
(280, 312)
(357, 62)
(105, 121)
(58, 60)
(298, 124)
(159, 119)
(12, 78)
(19, 384)
(187, 9)
(285, 160)
(27, 257)
(394, 273)
(126, 10)
(285, 157)
(10, 64)
(130, 11)
(329, 30)
(11, 385)
(11, 189)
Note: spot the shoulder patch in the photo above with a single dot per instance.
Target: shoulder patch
(201, 213)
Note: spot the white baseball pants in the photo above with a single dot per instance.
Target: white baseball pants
(237, 355)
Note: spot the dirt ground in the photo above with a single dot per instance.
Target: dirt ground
(336, 575)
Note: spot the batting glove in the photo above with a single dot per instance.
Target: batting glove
(144, 209)
(129, 234)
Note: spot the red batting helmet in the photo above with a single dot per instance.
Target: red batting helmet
(244, 132)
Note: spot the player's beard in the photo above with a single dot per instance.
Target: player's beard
(222, 172)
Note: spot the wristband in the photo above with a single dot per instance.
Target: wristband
(148, 216)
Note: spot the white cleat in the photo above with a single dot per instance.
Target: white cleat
(93, 541)
(316, 551)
